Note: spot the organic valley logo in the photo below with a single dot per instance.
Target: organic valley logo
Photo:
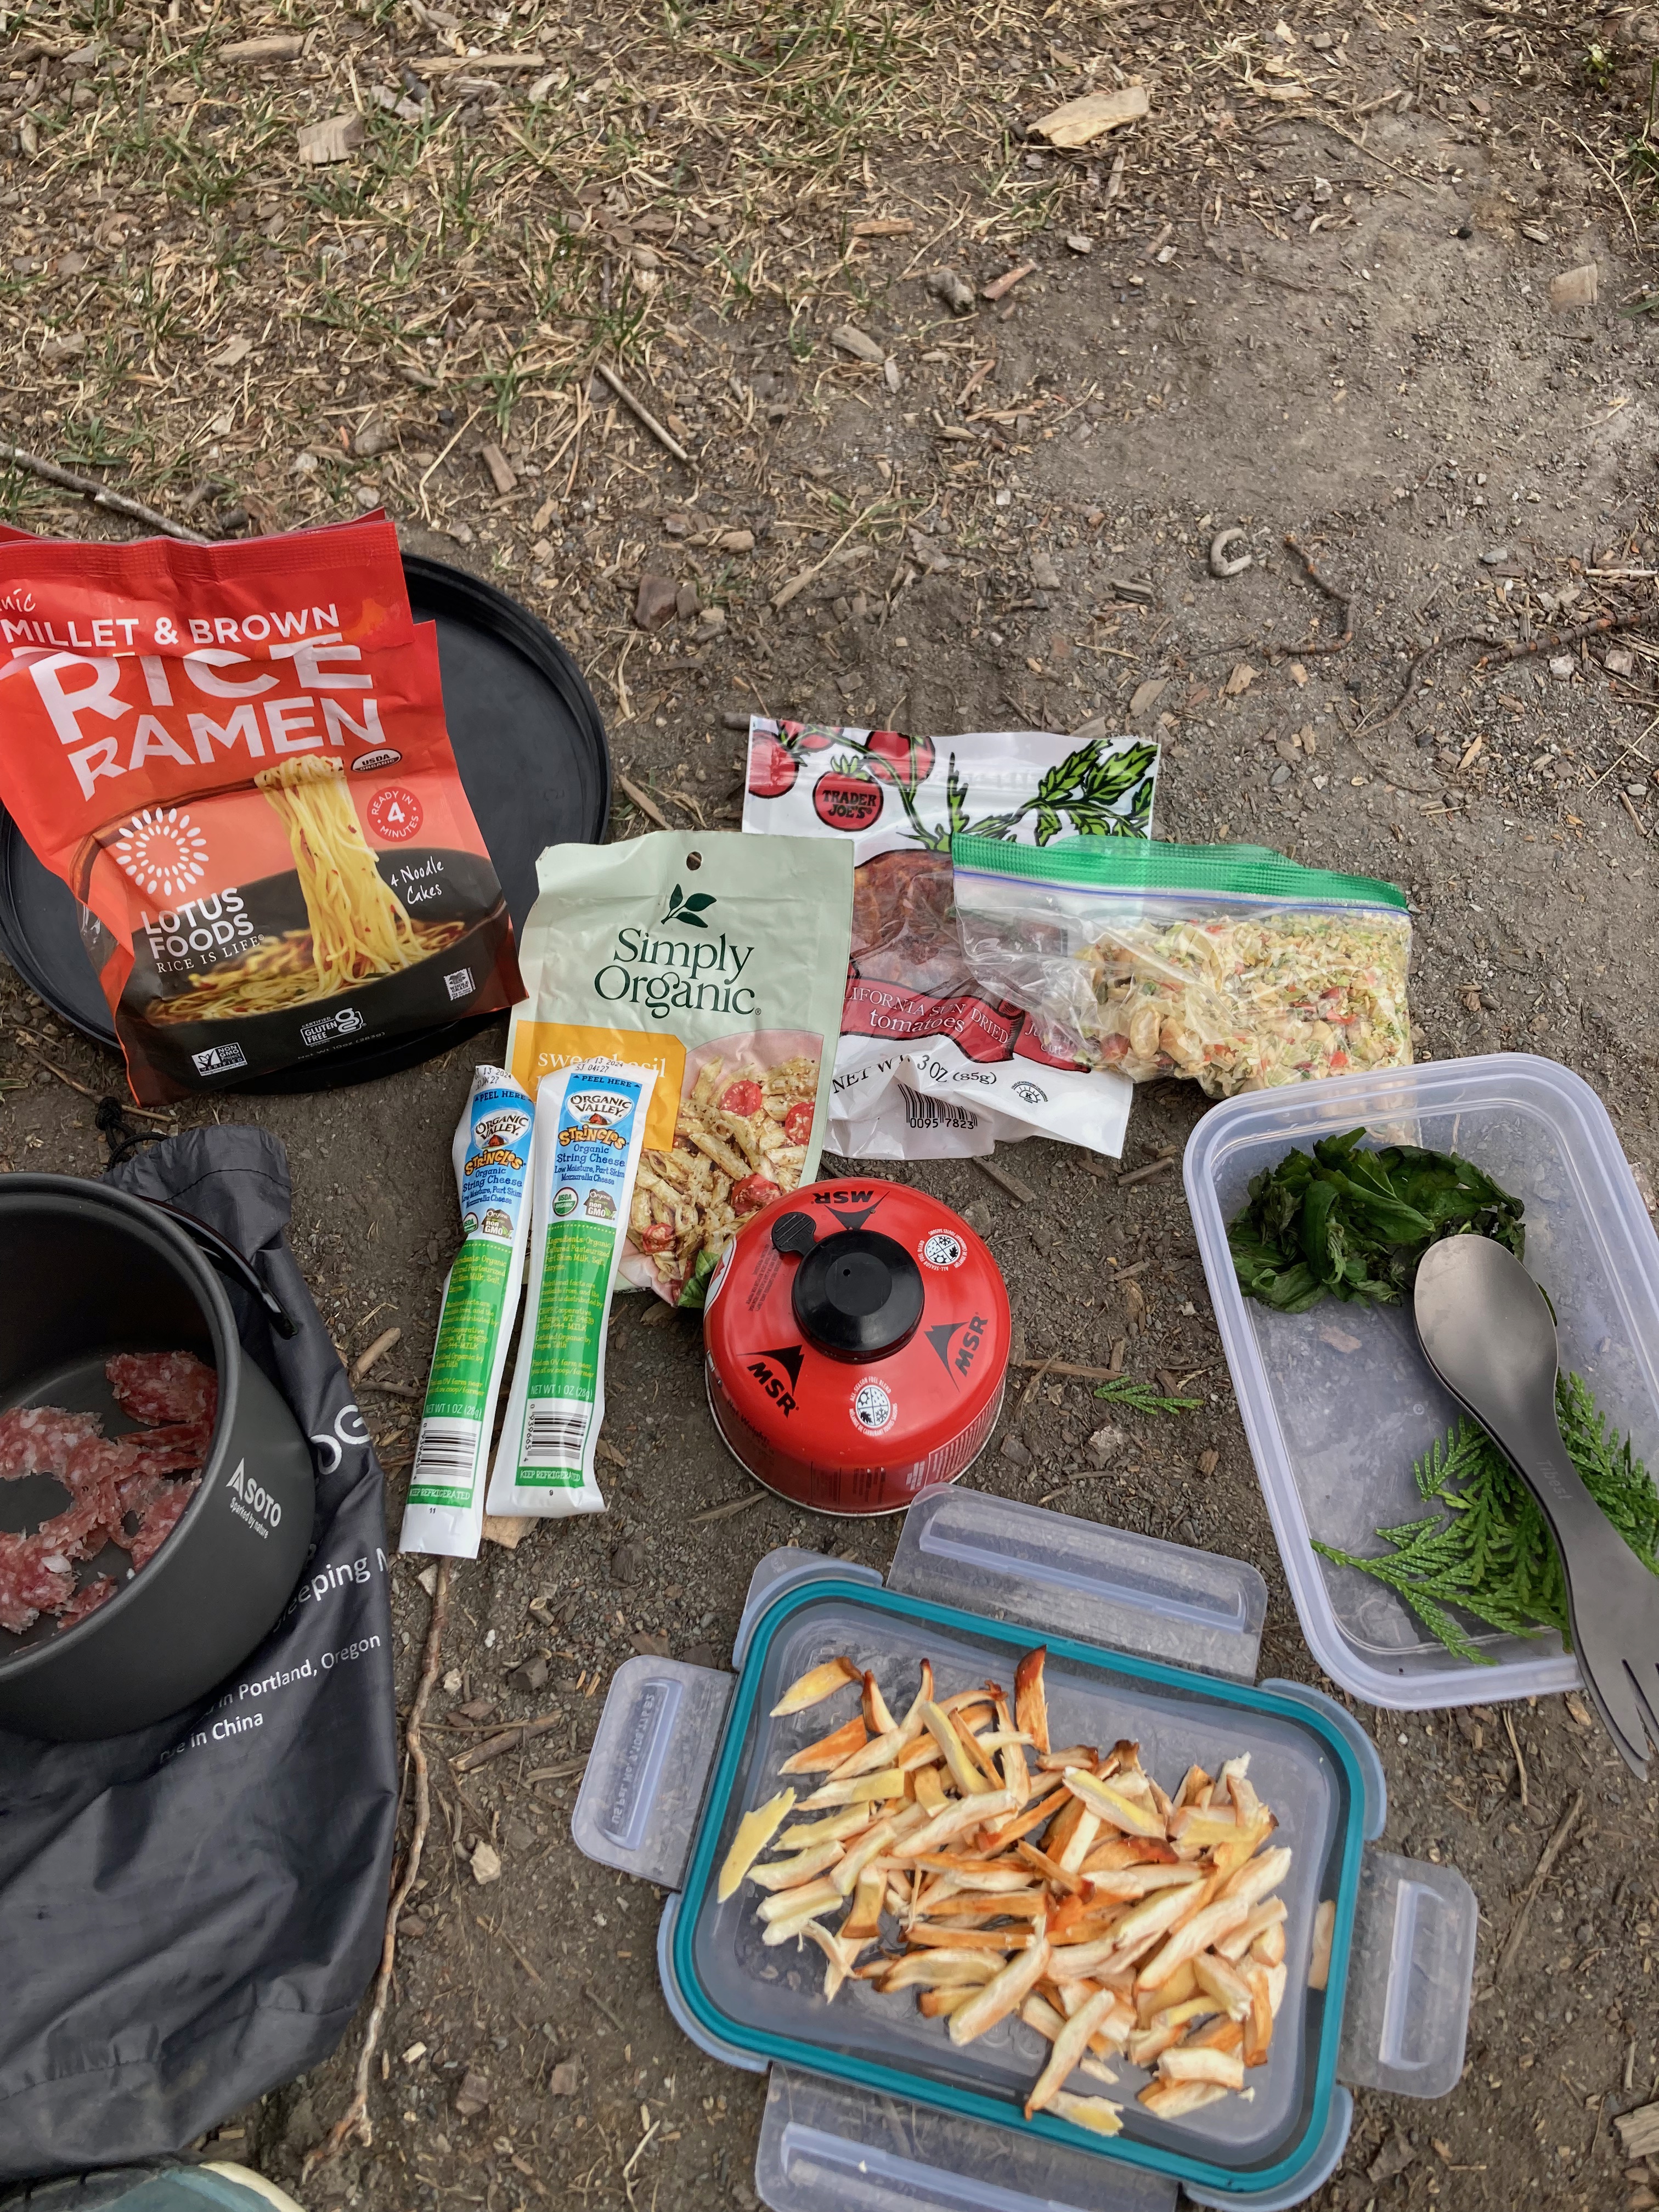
(162, 849)
(690, 910)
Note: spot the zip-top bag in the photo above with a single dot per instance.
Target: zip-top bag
(1228, 963)
(929, 1066)
(235, 756)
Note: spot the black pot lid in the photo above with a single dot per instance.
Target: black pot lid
(533, 763)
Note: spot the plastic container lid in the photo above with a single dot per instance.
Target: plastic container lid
(1338, 1403)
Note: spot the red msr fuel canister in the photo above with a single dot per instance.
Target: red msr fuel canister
(856, 1337)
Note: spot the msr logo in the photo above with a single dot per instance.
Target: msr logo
(852, 1208)
(786, 1357)
(939, 1337)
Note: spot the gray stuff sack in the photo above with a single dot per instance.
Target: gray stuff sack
(190, 1914)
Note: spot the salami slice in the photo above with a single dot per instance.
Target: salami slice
(163, 1386)
(148, 1477)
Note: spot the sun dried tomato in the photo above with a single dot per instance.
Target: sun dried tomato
(798, 1122)
(742, 1097)
(754, 1191)
(656, 1237)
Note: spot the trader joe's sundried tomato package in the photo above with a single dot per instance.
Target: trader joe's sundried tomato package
(930, 1066)
(235, 756)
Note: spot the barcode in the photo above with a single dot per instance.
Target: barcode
(447, 1449)
(554, 1438)
(924, 1113)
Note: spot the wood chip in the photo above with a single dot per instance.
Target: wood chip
(1638, 2132)
(501, 473)
(506, 1530)
(388, 1340)
(1080, 121)
(1007, 281)
(1007, 1181)
(647, 806)
(280, 46)
(884, 226)
(512, 1739)
(724, 1512)
(331, 140)
(1144, 1175)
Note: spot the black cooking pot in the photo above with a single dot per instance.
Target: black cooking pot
(86, 1271)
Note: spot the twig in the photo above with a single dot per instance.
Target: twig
(1551, 641)
(490, 1929)
(1520, 1763)
(385, 1342)
(1624, 801)
(355, 2120)
(796, 584)
(1551, 1851)
(420, 489)
(1343, 599)
(1005, 1178)
(512, 1739)
(733, 1505)
(647, 806)
(85, 1088)
(113, 502)
(1043, 1367)
(1145, 1174)
(662, 437)
(638, 2147)
(594, 1998)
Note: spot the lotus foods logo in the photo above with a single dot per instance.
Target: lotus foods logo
(162, 849)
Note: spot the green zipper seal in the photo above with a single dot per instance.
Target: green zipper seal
(1322, 2025)
(1130, 863)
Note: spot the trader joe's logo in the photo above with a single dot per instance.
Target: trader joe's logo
(690, 911)
(162, 849)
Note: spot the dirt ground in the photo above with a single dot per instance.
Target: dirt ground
(1313, 297)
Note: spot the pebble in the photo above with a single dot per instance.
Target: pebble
(944, 284)
(1013, 1450)
(1279, 778)
(1618, 662)
(1493, 555)
(1103, 1446)
(1562, 667)
(656, 602)
(848, 338)
(1045, 577)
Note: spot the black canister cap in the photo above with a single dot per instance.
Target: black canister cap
(857, 1295)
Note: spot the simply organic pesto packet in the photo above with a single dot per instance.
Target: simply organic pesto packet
(491, 1152)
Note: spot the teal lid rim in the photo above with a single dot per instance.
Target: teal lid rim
(885, 2080)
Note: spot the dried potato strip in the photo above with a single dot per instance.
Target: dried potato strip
(790, 1873)
(936, 1969)
(955, 1819)
(851, 1870)
(940, 2004)
(830, 1750)
(864, 1917)
(1113, 1806)
(1261, 1921)
(812, 1687)
(1024, 1824)
(1223, 1982)
(840, 1956)
(932, 1936)
(1173, 2100)
(1130, 1851)
(1068, 2049)
(860, 1789)
(1319, 1966)
(836, 1829)
(1197, 1935)
(1031, 1698)
(964, 1769)
(1003, 1994)
(877, 1718)
(754, 1832)
(1261, 1876)
(1053, 1873)
(1127, 1884)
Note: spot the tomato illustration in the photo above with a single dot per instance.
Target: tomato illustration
(754, 1191)
(772, 768)
(814, 738)
(798, 1122)
(911, 758)
(846, 802)
(741, 1097)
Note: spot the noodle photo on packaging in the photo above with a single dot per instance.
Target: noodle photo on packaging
(236, 757)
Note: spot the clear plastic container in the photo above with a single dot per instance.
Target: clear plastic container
(869, 2106)
(1338, 1402)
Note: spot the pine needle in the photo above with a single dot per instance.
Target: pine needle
(1141, 1398)
(1488, 1551)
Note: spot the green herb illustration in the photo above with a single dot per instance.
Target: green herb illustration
(1095, 792)
(1345, 1223)
(1487, 1551)
(690, 911)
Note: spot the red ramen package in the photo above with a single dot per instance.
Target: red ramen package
(236, 757)
(930, 1065)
